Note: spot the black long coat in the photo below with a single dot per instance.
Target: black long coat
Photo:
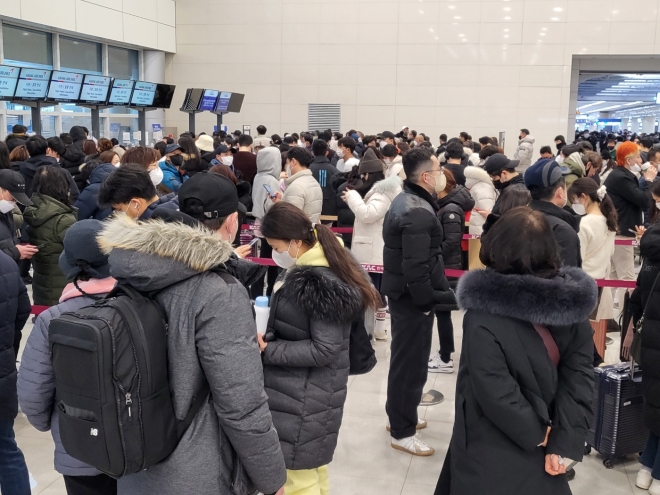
(650, 251)
(508, 390)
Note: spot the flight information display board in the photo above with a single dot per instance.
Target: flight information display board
(8, 81)
(32, 84)
(223, 102)
(64, 86)
(121, 92)
(95, 90)
(208, 100)
(143, 94)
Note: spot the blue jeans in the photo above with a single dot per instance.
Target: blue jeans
(14, 478)
(650, 458)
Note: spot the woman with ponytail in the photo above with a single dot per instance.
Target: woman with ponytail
(305, 349)
(598, 229)
(87, 267)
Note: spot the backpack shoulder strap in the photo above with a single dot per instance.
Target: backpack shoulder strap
(222, 272)
(549, 342)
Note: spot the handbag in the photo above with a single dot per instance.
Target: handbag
(636, 346)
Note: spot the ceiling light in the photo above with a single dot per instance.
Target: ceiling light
(542, 34)
(507, 18)
(557, 9)
(591, 105)
(507, 9)
(554, 18)
(461, 34)
(506, 35)
(26, 34)
(544, 29)
(457, 17)
(452, 7)
(506, 30)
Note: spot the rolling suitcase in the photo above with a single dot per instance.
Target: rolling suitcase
(618, 428)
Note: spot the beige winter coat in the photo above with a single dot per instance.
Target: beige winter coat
(484, 194)
(367, 246)
(303, 191)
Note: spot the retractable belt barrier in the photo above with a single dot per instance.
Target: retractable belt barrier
(617, 284)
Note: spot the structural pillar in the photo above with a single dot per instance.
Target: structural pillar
(648, 124)
(624, 123)
(636, 127)
(154, 71)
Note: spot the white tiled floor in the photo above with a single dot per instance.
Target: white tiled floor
(364, 463)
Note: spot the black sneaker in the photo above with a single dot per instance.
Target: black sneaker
(27, 280)
(570, 474)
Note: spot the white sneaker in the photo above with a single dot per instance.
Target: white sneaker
(437, 365)
(644, 479)
(654, 489)
(413, 445)
(380, 336)
(421, 424)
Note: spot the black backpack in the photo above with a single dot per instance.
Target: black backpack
(112, 388)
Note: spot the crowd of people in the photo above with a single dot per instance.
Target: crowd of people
(80, 215)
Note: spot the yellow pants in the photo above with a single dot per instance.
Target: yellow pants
(307, 482)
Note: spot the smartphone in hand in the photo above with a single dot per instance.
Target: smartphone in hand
(270, 192)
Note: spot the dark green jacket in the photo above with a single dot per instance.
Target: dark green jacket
(48, 220)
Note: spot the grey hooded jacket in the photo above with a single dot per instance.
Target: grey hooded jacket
(212, 336)
(269, 168)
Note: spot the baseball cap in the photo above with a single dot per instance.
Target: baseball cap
(171, 148)
(387, 134)
(216, 192)
(220, 149)
(14, 183)
(498, 162)
(543, 173)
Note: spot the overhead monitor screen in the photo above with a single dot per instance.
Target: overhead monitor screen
(32, 84)
(143, 94)
(208, 100)
(236, 102)
(192, 99)
(121, 92)
(95, 89)
(8, 81)
(164, 95)
(223, 102)
(64, 86)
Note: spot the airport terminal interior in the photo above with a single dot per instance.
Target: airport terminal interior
(486, 67)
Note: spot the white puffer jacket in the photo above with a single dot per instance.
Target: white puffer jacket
(395, 167)
(370, 212)
(484, 194)
(303, 191)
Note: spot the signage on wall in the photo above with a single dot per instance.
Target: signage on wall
(32, 84)
(157, 131)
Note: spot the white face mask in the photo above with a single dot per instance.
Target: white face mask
(579, 209)
(440, 182)
(227, 160)
(635, 169)
(560, 159)
(6, 206)
(156, 176)
(285, 260)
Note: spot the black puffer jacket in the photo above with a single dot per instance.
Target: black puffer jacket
(565, 227)
(452, 218)
(14, 312)
(345, 216)
(508, 390)
(650, 251)
(9, 236)
(15, 140)
(29, 168)
(412, 257)
(74, 156)
(306, 366)
(630, 199)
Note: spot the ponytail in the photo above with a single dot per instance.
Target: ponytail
(588, 187)
(345, 267)
(609, 212)
(287, 222)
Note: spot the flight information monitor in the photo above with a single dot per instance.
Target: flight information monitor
(32, 84)
(121, 92)
(223, 102)
(143, 94)
(64, 86)
(95, 90)
(208, 100)
(164, 95)
(8, 81)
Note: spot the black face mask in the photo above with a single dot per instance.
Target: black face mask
(610, 148)
(176, 160)
(499, 185)
(560, 146)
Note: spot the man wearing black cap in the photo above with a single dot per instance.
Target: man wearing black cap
(503, 173)
(545, 181)
(387, 137)
(173, 177)
(323, 172)
(223, 156)
(12, 191)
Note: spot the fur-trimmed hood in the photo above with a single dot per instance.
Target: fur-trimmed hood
(320, 294)
(390, 187)
(564, 300)
(474, 175)
(154, 254)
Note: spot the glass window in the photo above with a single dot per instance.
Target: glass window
(27, 47)
(82, 56)
(47, 123)
(123, 63)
